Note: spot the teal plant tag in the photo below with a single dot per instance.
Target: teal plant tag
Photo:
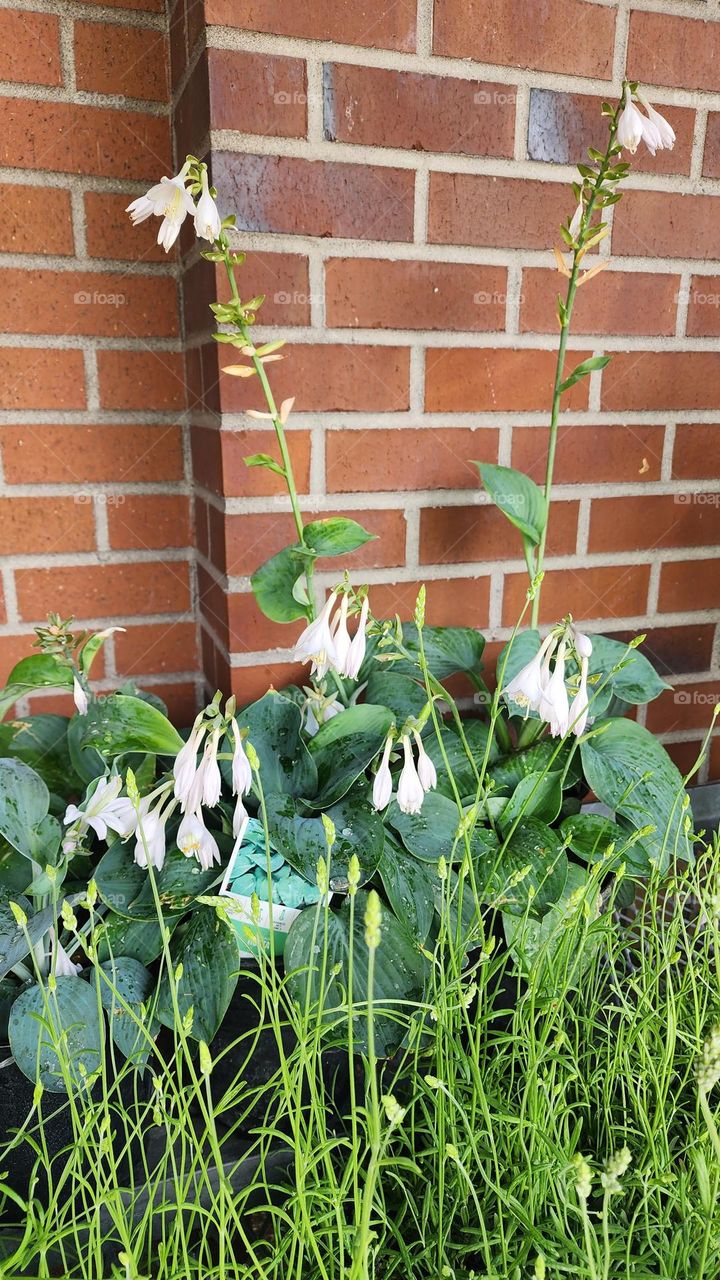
(265, 894)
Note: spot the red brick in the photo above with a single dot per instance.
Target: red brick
(684, 707)
(141, 380)
(714, 773)
(37, 378)
(675, 650)
(591, 454)
(561, 35)
(637, 302)
(664, 224)
(457, 535)
(711, 157)
(618, 591)
(252, 539)
(180, 698)
(387, 459)
(703, 319)
(191, 123)
(89, 303)
(12, 650)
(463, 380)
(324, 378)
(42, 453)
(98, 591)
(371, 293)
(449, 602)
(684, 754)
(502, 213)
(142, 521)
(251, 683)
(378, 108)
(360, 202)
(177, 43)
(665, 49)
(81, 139)
(563, 125)
(257, 93)
(649, 380)
(115, 59)
(251, 632)
(281, 278)
(213, 603)
(111, 234)
(218, 462)
(35, 220)
(687, 586)
(25, 527)
(161, 647)
(695, 451)
(343, 21)
(29, 47)
(652, 520)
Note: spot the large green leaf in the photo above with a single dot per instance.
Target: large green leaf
(207, 949)
(518, 497)
(589, 835)
(86, 761)
(537, 795)
(24, 819)
(447, 650)
(273, 724)
(129, 983)
(634, 776)
(37, 671)
(637, 681)
(126, 888)
(399, 972)
(402, 694)
(531, 871)
(41, 742)
(409, 886)
(121, 723)
(274, 585)
(431, 833)
(13, 942)
(465, 775)
(302, 841)
(134, 939)
(335, 536)
(39, 1019)
(343, 748)
(541, 757)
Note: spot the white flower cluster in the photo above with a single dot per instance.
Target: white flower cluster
(634, 127)
(195, 785)
(414, 780)
(542, 688)
(170, 200)
(326, 642)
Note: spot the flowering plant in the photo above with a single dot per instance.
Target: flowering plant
(368, 778)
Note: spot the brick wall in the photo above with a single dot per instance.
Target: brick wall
(399, 173)
(94, 487)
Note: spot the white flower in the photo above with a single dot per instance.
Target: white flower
(631, 125)
(105, 810)
(168, 199)
(61, 964)
(151, 826)
(527, 687)
(410, 792)
(356, 652)
(382, 786)
(578, 714)
(318, 708)
(575, 221)
(316, 643)
(195, 841)
(241, 771)
(185, 767)
(211, 777)
(341, 636)
(425, 767)
(240, 819)
(583, 644)
(554, 704)
(207, 218)
(80, 697)
(663, 128)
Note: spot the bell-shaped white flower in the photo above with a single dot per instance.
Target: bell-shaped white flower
(583, 644)
(358, 644)
(554, 705)
(527, 687)
(318, 708)
(185, 767)
(211, 776)
(105, 810)
(240, 818)
(170, 200)
(207, 218)
(241, 771)
(80, 697)
(151, 840)
(663, 128)
(341, 636)
(61, 964)
(631, 125)
(195, 841)
(316, 643)
(425, 767)
(579, 707)
(382, 785)
(410, 792)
